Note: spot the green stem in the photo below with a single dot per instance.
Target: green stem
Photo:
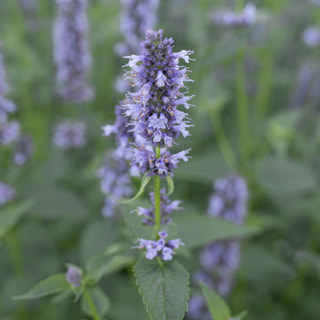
(15, 252)
(91, 305)
(17, 266)
(222, 140)
(157, 202)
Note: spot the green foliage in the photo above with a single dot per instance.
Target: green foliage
(144, 182)
(11, 215)
(53, 284)
(286, 176)
(218, 308)
(164, 288)
(99, 299)
(103, 264)
(198, 229)
(170, 183)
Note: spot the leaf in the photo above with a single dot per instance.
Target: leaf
(204, 168)
(286, 176)
(240, 316)
(97, 236)
(103, 264)
(217, 307)
(144, 182)
(198, 229)
(164, 289)
(170, 185)
(50, 285)
(10, 216)
(100, 300)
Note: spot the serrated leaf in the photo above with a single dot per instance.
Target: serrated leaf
(170, 185)
(100, 300)
(144, 182)
(240, 316)
(50, 285)
(164, 289)
(103, 264)
(10, 216)
(198, 229)
(217, 307)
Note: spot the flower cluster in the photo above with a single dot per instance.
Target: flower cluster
(115, 182)
(219, 260)
(24, 149)
(153, 108)
(311, 37)
(68, 135)
(166, 208)
(228, 18)
(7, 193)
(137, 16)
(9, 130)
(160, 248)
(71, 54)
(122, 134)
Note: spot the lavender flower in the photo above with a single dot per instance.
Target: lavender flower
(160, 248)
(219, 260)
(311, 36)
(9, 132)
(166, 208)
(70, 135)
(6, 106)
(151, 113)
(198, 309)
(153, 108)
(137, 16)
(24, 150)
(7, 193)
(230, 18)
(115, 182)
(74, 276)
(71, 54)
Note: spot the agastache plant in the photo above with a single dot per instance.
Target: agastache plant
(219, 260)
(71, 51)
(137, 16)
(154, 116)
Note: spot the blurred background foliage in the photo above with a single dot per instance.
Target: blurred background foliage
(280, 268)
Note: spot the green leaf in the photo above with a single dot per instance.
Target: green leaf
(10, 216)
(285, 176)
(52, 284)
(97, 236)
(103, 264)
(198, 229)
(201, 168)
(217, 307)
(144, 182)
(240, 316)
(99, 299)
(164, 289)
(170, 185)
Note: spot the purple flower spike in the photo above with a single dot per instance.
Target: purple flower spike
(70, 135)
(71, 53)
(159, 79)
(7, 193)
(220, 260)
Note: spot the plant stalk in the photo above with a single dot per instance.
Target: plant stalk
(91, 305)
(157, 200)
